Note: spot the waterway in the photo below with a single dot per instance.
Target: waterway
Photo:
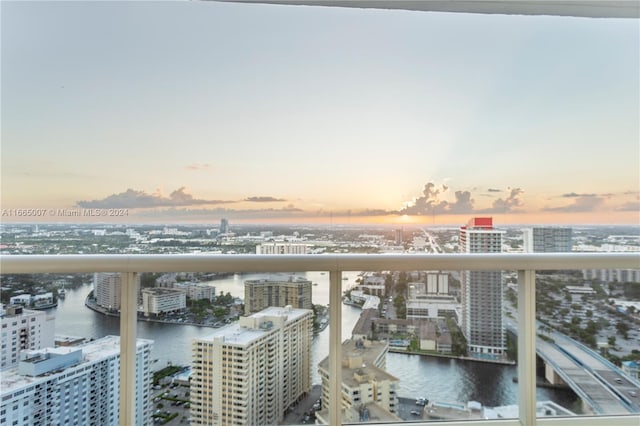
(434, 378)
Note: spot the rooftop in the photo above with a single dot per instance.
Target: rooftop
(92, 352)
(254, 327)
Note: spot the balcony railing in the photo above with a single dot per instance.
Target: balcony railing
(525, 264)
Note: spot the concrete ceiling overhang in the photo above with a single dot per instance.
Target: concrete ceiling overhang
(576, 8)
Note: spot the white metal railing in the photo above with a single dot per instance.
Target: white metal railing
(525, 264)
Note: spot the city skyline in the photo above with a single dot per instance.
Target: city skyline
(192, 112)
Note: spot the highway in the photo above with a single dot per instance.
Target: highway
(600, 384)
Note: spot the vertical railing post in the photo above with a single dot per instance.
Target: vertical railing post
(335, 347)
(128, 318)
(527, 347)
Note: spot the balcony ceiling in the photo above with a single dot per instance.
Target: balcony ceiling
(577, 8)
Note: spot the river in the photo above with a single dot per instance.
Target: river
(434, 378)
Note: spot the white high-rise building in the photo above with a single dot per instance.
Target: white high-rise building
(482, 291)
(23, 329)
(548, 239)
(106, 290)
(74, 385)
(251, 372)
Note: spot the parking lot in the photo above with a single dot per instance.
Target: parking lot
(171, 405)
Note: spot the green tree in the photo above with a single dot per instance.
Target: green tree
(623, 329)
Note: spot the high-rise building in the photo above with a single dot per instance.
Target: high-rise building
(23, 329)
(548, 239)
(106, 290)
(399, 234)
(252, 371)
(261, 294)
(437, 283)
(365, 383)
(224, 226)
(74, 385)
(481, 291)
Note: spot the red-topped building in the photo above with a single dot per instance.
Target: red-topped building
(482, 291)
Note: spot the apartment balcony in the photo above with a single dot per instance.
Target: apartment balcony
(525, 264)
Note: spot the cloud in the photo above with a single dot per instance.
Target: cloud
(633, 206)
(198, 166)
(574, 195)
(132, 198)
(463, 203)
(587, 203)
(429, 202)
(506, 205)
(264, 199)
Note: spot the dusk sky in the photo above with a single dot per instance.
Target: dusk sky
(193, 111)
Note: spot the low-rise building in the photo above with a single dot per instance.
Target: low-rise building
(282, 248)
(156, 301)
(432, 307)
(386, 328)
(196, 291)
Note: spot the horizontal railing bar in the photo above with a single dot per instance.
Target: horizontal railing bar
(581, 420)
(29, 264)
(584, 420)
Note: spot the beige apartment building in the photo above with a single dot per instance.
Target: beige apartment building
(261, 294)
(252, 371)
(365, 383)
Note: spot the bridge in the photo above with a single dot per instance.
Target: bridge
(603, 387)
